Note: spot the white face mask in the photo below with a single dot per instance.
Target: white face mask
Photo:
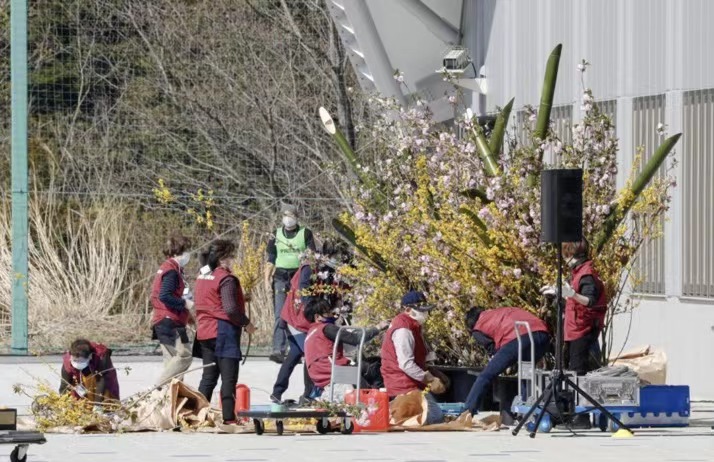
(418, 316)
(183, 259)
(289, 222)
(79, 364)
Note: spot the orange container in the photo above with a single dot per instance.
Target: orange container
(242, 398)
(377, 407)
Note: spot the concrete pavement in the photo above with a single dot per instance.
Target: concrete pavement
(671, 445)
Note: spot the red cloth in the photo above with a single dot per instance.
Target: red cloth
(161, 311)
(396, 380)
(293, 311)
(99, 352)
(498, 324)
(580, 319)
(318, 354)
(209, 307)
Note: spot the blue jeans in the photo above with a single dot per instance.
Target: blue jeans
(280, 287)
(297, 347)
(505, 357)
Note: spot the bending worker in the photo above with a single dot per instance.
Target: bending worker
(283, 260)
(320, 343)
(307, 285)
(494, 330)
(404, 356)
(172, 310)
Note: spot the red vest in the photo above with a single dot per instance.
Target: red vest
(111, 382)
(161, 311)
(580, 319)
(318, 354)
(209, 307)
(498, 324)
(293, 310)
(395, 380)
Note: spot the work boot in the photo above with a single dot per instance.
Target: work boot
(276, 358)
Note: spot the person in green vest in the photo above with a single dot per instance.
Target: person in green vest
(283, 259)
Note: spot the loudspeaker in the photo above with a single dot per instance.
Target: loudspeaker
(561, 205)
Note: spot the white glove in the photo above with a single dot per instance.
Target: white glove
(189, 305)
(548, 290)
(187, 294)
(568, 290)
(431, 356)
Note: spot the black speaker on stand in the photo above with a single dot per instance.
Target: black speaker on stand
(561, 204)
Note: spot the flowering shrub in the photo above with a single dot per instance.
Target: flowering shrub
(435, 213)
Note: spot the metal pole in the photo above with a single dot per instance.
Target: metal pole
(18, 78)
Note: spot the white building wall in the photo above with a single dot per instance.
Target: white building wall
(636, 48)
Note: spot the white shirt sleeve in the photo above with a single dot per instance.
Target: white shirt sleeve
(404, 346)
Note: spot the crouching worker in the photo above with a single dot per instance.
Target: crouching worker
(88, 373)
(494, 330)
(404, 356)
(320, 343)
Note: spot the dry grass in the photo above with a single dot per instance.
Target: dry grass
(77, 272)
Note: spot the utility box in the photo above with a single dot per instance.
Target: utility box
(610, 391)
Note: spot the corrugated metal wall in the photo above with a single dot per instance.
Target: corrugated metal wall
(647, 113)
(698, 194)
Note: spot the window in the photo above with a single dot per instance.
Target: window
(647, 113)
(608, 108)
(698, 194)
(562, 123)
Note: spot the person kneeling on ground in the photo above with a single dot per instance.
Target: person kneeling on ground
(88, 373)
(404, 356)
(494, 330)
(320, 342)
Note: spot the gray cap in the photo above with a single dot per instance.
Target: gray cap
(289, 209)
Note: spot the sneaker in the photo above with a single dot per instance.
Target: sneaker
(276, 358)
(275, 399)
(230, 422)
(305, 401)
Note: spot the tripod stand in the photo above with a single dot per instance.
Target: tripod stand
(555, 391)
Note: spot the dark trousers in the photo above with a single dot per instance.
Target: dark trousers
(281, 286)
(584, 353)
(227, 370)
(297, 347)
(505, 357)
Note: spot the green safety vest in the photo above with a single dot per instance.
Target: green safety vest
(289, 250)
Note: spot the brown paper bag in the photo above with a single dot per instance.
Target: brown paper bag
(648, 362)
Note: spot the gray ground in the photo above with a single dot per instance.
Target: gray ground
(671, 445)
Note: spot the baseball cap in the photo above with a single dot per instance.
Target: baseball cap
(416, 300)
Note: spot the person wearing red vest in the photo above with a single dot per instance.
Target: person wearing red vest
(306, 285)
(585, 308)
(404, 355)
(221, 318)
(297, 327)
(172, 304)
(88, 373)
(320, 343)
(494, 330)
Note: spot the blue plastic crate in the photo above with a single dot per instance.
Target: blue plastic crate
(660, 406)
(665, 399)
